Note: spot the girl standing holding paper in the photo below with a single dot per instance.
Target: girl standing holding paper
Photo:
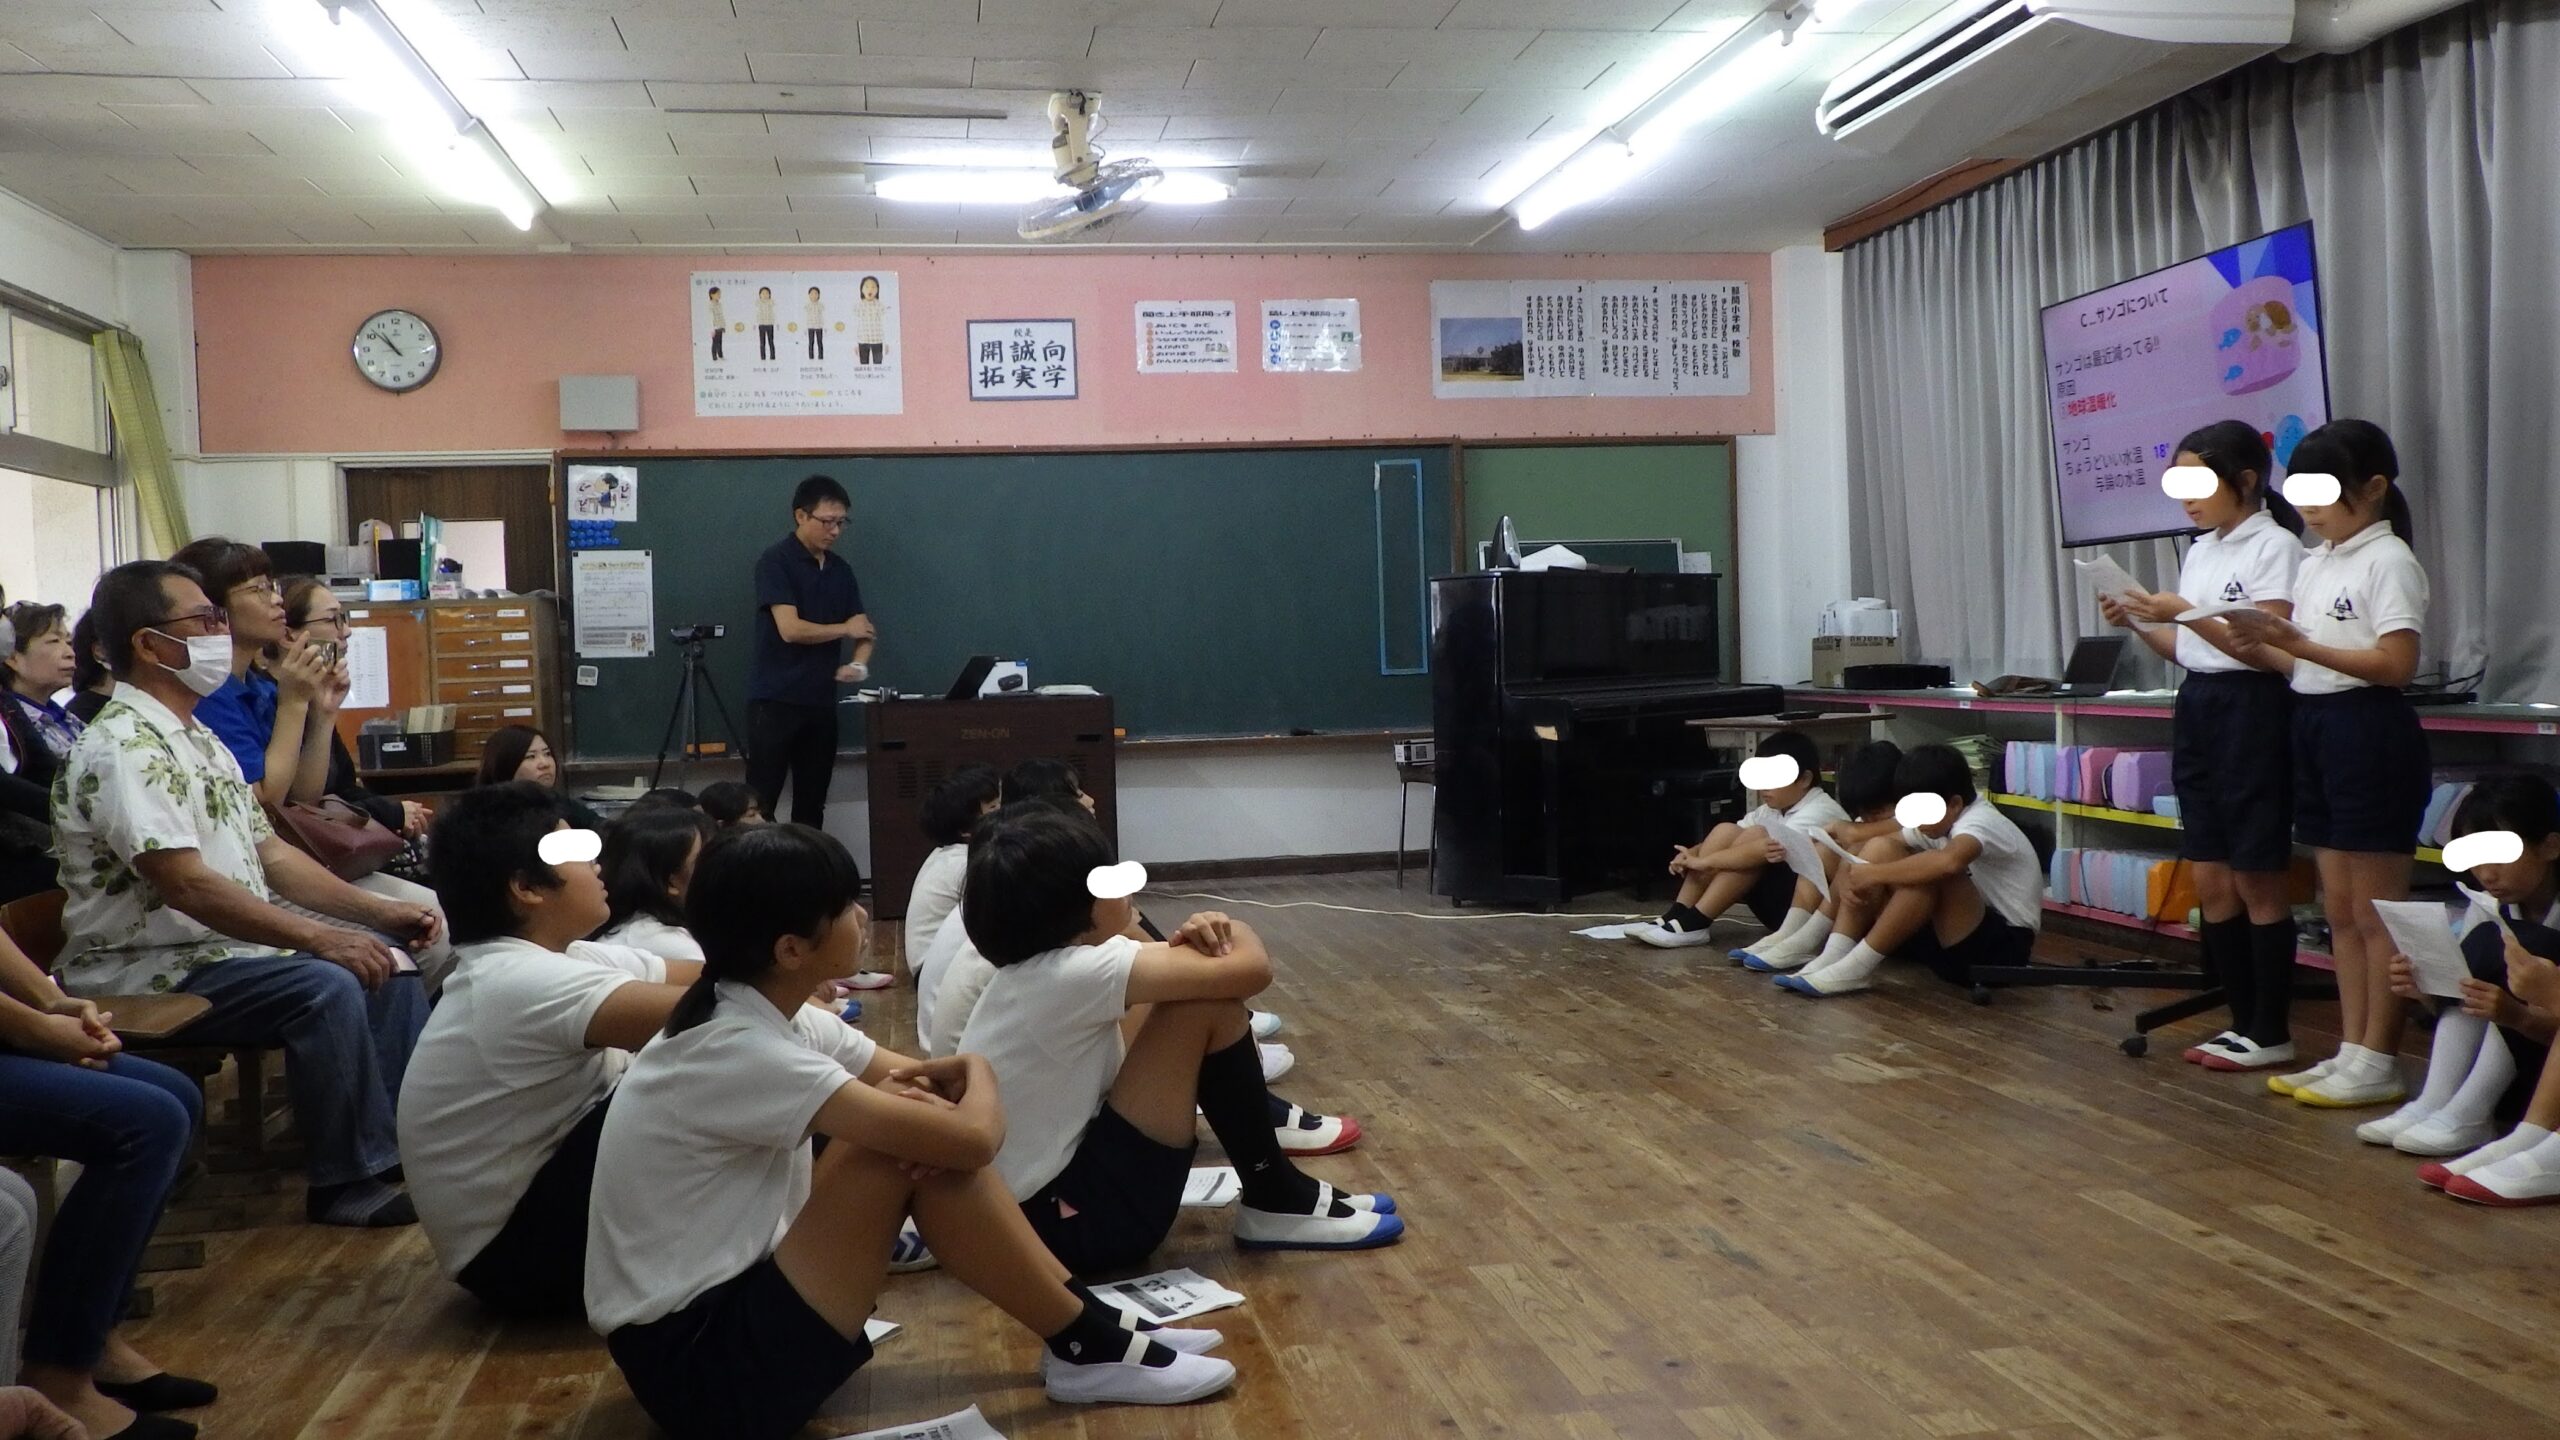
(2360, 778)
(2231, 762)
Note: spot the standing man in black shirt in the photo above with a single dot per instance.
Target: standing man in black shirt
(807, 605)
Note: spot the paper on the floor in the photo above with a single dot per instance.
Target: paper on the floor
(876, 1329)
(1613, 932)
(966, 1425)
(1211, 1186)
(1169, 1295)
(2105, 577)
(2418, 930)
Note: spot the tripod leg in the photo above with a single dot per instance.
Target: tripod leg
(737, 736)
(675, 713)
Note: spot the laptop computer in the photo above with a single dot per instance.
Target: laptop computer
(972, 675)
(2092, 670)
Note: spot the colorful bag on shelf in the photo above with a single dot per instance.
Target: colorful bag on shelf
(2066, 771)
(2171, 891)
(2090, 779)
(2137, 778)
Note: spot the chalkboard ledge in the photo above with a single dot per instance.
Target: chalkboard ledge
(1327, 739)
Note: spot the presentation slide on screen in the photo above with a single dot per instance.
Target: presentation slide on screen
(2232, 335)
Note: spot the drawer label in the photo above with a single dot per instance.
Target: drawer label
(515, 689)
(515, 664)
(513, 614)
(514, 710)
(516, 635)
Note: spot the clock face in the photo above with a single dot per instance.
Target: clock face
(396, 350)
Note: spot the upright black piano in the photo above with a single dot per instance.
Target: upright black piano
(1559, 702)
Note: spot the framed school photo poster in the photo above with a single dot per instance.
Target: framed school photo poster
(1022, 359)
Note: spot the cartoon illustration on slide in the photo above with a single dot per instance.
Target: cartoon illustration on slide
(817, 314)
(870, 324)
(764, 324)
(719, 322)
(2264, 325)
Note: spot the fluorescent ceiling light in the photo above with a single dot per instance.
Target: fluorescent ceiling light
(448, 144)
(1022, 187)
(1744, 62)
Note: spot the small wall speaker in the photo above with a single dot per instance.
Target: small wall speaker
(600, 402)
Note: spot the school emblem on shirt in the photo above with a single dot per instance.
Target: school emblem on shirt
(2342, 608)
(2232, 590)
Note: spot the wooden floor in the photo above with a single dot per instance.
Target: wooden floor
(1649, 1196)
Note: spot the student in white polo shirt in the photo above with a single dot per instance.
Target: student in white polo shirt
(2361, 779)
(729, 1275)
(1958, 887)
(1743, 861)
(507, 1093)
(2231, 746)
(950, 811)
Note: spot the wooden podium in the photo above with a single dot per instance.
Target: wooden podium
(915, 743)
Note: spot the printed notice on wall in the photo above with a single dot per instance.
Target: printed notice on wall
(613, 603)
(368, 669)
(1186, 337)
(816, 342)
(1310, 335)
(1022, 359)
(1497, 339)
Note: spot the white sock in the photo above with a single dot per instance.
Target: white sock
(2518, 1140)
(2490, 1076)
(2527, 1174)
(1833, 948)
(1805, 943)
(2372, 1064)
(1796, 919)
(1850, 971)
(2449, 1062)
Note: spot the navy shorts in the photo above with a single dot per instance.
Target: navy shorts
(1772, 895)
(1996, 941)
(747, 1360)
(2231, 759)
(2360, 777)
(1116, 1200)
(537, 1262)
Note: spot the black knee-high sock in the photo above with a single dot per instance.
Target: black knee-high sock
(2271, 949)
(2227, 964)
(1237, 1106)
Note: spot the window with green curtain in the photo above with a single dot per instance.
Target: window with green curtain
(142, 444)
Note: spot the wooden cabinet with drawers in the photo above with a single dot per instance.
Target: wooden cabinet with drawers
(495, 661)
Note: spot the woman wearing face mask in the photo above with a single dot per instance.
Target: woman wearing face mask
(280, 704)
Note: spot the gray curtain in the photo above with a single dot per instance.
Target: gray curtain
(2429, 163)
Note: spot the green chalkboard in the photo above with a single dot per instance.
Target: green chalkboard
(1613, 492)
(1208, 592)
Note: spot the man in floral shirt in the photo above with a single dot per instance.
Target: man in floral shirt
(173, 876)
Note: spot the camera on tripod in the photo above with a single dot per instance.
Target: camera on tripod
(695, 634)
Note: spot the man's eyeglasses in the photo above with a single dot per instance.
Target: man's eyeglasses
(830, 522)
(210, 617)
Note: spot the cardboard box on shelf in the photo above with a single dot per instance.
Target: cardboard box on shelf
(1834, 653)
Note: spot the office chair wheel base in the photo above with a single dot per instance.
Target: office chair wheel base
(2135, 1045)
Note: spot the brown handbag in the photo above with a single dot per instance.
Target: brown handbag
(347, 842)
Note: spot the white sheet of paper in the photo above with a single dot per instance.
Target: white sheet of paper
(876, 1329)
(964, 1425)
(2217, 608)
(1802, 858)
(1212, 1186)
(2488, 909)
(1612, 932)
(613, 599)
(1168, 1295)
(2418, 928)
(1823, 839)
(2105, 577)
(368, 669)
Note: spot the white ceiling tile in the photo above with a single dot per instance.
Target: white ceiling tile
(1166, 13)
(238, 60)
(553, 30)
(777, 67)
(1354, 44)
(1175, 102)
(85, 90)
(951, 12)
(187, 119)
(543, 63)
(1315, 129)
(1721, 14)
(1378, 106)
(1104, 76)
(333, 231)
(53, 29)
(1560, 14)
(983, 42)
(509, 97)
(1222, 42)
(954, 101)
(1320, 74)
(612, 167)
(1384, 14)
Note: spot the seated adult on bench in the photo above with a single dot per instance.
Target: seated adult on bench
(173, 874)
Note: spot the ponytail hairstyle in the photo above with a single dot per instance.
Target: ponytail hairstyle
(2234, 448)
(2355, 451)
(643, 853)
(754, 885)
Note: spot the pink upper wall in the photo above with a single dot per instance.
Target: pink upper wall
(274, 375)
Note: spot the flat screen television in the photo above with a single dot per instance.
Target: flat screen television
(2230, 335)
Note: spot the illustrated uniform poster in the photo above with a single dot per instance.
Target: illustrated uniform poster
(814, 342)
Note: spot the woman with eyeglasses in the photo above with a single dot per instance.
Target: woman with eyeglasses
(314, 617)
(280, 706)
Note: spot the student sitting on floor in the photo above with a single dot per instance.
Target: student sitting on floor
(731, 1276)
(1109, 1044)
(961, 976)
(1867, 795)
(950, 811)
(1744, 862)
(2490, 1044)
(509, 1087)
(1960, 886)
(2523, 1168)
(648, 861)
(731, 802)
